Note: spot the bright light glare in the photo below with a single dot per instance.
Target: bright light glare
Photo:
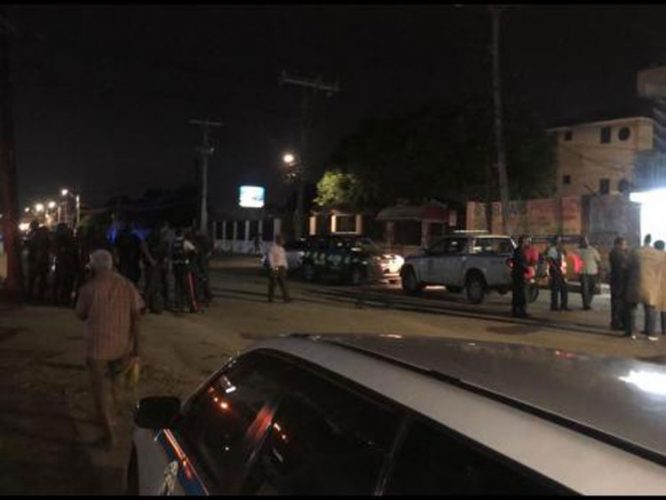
(26, 210)
(231, 389)
(289, 158)
(654, 383)
(39, 207)
(64, 192)
(24, 226)
(52, 204)
(653, 207)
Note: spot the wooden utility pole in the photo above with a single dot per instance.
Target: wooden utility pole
(8, 185)
(206, 150)
(495, 11)
(311, 86)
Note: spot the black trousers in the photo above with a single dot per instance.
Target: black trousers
(519, 297)
(617, 305)
(38, 272)
(185, 287)
(559, 295)
(63, 285)
(630, 318)
(278, 276)
(155, 286)
(588, 283)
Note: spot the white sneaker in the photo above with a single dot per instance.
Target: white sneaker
(653, 338)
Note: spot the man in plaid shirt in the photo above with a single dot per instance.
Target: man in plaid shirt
(111, 307)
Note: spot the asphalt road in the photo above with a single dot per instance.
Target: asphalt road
(47, 431)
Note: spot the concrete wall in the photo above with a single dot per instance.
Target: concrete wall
(586, 160)
(539, 217)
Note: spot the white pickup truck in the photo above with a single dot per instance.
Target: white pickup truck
(476, 262)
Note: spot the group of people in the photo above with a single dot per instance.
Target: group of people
(636, 277)
(58, 264)
(528, 264)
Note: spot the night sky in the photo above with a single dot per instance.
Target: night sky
(103, 95)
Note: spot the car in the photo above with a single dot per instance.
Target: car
(349, 259)
(473, 261)
(294, 249)
(391, 414)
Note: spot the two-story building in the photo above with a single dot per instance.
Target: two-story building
(599, 157)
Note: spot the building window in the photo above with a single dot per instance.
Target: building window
(566, 179)
(345, 223)
(605, 135)
(624, 133)
(604, 186)
(568, 135)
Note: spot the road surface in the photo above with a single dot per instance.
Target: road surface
(47, 433)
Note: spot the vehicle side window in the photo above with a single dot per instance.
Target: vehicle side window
(456, 246)
(440, 247)
(432, 461)
(219, 425)
(324, 440)
(492, 246)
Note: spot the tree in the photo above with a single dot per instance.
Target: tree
(445, 152)
(338, 189)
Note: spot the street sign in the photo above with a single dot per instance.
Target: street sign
(252, 196)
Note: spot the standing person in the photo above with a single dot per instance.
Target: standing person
(65, 265)
(128, 254)
(257, 244)
(111, 307)
(181, 252)
(644, 286)
(155, 252)
(590, 271)
(519, 272)
(204, 252)
(557, 267)
(659, 245)
(277, 261)
(39, 259)
(618, 260)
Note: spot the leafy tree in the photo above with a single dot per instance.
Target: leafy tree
(445, 152)
(338, 189)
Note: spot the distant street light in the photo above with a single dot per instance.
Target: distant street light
(26, 210)
(289, 159)
(39, 207)
(52, 205)
(64, 192)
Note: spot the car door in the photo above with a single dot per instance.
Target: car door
(434, 460)
(491, 255)
(326, 439)
(453, 262)
(337, 251)
(432, 262)
(208, 447)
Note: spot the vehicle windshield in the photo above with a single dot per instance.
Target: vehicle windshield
(365, 245)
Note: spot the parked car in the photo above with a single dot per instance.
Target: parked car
(295, 250)
(475, 262)
(350, 259)
(375, 415)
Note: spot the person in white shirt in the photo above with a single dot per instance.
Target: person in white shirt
(277, 261)
(590, 272)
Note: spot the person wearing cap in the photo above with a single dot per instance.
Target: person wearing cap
(111, 307)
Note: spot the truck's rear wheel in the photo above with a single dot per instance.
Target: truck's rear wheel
(476, 288)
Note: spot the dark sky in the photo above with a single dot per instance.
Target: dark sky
(103, 95)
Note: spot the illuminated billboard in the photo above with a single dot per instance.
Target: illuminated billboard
(252, 196)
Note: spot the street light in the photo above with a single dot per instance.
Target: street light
(289, 158)
(39, 207)
(52, 205)
(64, 192)
(26, 210)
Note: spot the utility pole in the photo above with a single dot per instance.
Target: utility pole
(310, 86)
(206, 150)
(8, 165)
(495, 11)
